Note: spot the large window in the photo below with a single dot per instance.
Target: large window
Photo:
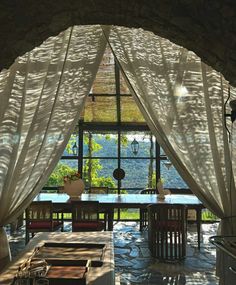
(105, 152)
(101, 143)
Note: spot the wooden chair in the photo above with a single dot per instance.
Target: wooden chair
(98, 190)
(167, 231)
(39, 218)
(85, 216)
(143, 212)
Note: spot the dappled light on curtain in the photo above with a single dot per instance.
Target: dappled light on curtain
(42, 95)
(182, 100)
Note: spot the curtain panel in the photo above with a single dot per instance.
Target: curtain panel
(182, 100)
(42, 96)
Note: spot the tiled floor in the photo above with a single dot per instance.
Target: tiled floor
(134, 265)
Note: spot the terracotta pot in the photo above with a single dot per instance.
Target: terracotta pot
(74, 188)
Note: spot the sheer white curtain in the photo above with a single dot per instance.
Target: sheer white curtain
(182, 100)
(41, 97)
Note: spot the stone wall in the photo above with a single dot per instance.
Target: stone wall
(207, 27)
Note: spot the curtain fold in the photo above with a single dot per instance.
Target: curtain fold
(42, 96)
(182, 100)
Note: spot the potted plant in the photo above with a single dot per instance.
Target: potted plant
(73, 185)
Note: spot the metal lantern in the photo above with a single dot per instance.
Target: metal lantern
(168, 164)
(135, 147)
(75, 149)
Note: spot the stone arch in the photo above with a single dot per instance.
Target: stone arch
(206, 27)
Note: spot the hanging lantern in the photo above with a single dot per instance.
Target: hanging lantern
(135, 147)
(168, 164)
(75, 149)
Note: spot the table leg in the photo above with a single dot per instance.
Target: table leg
(199, 220)
(110, 215)
(141, 219)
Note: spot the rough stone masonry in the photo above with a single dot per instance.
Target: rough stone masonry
(207, 27)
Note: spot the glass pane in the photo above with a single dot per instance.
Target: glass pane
(99, 172)
(72, 147)
(100, 109)
(63, 168)
(105, 79)
(144, 144)
(130, 111)
(132, 214)
(162, 151)
(136, 173)
(101, 145)
(171, 177)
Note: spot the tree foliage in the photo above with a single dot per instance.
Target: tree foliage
(61, 170)
(93, 166)
(90, 170)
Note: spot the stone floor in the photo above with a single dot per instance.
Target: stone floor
(134, 265)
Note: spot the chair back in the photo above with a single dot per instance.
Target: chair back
(85, 216)
(148, 191)
(39, 211)
(39, 218)
(98, 190)
(167, 231)
(85, 211)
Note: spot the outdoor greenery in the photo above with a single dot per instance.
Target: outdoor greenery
(95, 172)
(61, 170)
(131, 214)
(91, 167)
(208, 216)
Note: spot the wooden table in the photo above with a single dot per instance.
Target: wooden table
(111, 201)
(97, 276)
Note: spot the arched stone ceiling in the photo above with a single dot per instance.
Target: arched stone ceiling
(206, 27)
